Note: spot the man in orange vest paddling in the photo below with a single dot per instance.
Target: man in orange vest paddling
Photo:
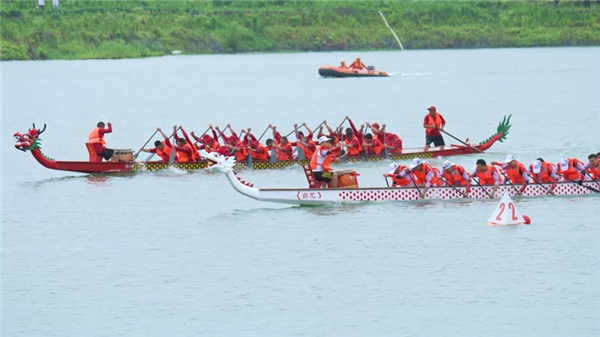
(571, 169)
(96, 138)
(433, 123)
(456, 175)
(162, 149)
(320, 163)
(516, 172)
(487, 175)
(400, 176)
(593, 168)
(423, 173)
(543, 172)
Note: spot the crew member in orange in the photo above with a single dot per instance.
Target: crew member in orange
(195, 155)
(162, 149)
(257, 151)
(352, 144)
(423, 173)
(516, 172)
(333, 136)
(593, 168)
(357, 64)
(359, 134)
(96, 138)
(571, 169)
(487, 175)
(393, 143)
(237, 149)
(305, 143)
(372, 146)
(320, 163)
(543, 172)
(400, 176)
(343, 65)
(284, 149)
(433, 123)
(456, 175)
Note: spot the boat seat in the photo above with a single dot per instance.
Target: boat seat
(310, 177)
(93, 156)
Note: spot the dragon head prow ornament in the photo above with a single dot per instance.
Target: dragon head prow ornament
(223, 163)
(29, 140)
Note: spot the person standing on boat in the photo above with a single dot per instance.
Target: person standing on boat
(96, 138)
(320, 163)
(543, 172)
(487, 175)
(593, 168)
(423, 173)
(343, 65)
(456, 175)
(162, 149)
(516, 172)
(433, 123)
(400, 176)
(357, 64)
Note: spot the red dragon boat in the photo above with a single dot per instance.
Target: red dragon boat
(31, 142)
(351, 193)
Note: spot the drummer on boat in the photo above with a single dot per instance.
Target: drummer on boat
(96, 139)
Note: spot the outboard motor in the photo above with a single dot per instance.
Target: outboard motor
(370, 67)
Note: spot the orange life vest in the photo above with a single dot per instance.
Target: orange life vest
(183, 157)
(326, 163)
(307, 151)
(594, 171)
(544, 175)
(393, 140)
(353, 151)
(241, 154)
(487, 177)
(456, 177)
(259, 156)
(165, 153)
(514, 174)
(285, 156)
(571, 173)
(95, 137)
(437, 121)
(356, 65)
(401, 181)
(375, 149)
(421, 176)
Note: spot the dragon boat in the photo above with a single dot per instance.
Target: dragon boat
(351, 193)
(31, 142)
(332, 71)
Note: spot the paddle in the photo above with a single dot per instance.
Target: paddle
(578, 183)
(510, 182)
(385, 150)
(483, 188)
(592, 178)
(456, 189)
(473, 147)
(544, 187)
(149, 139)
(414, 183)
(172, 155)
(259, 138)
(152, 154)
(386, 182)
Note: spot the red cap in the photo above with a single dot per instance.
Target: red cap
(375, 125)
(431, 108)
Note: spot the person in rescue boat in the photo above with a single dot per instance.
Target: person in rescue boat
(343, 65)
(433, 123)
(400, 176)
(543, 172)
(422, 172)
(456, 175)
(571, 169)
(96, 139)
(358, 64)
(593, 168)
(162, 149)
(487, 175)
(516, 172)
(320, 163)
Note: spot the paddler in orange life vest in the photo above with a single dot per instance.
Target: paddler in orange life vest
(343, 65)
(352, 144)
(456, 175)
(96, 138)
(516, 172)
(186, 151)
(422, 172)
(400, 176)
(320, 163)
(571, 169)
(358, 64)
(593, 168)
(304, 143)
(433, 123)
(543, 172)
(372, 145)
(487, 175)
(284, 149)
(162, 149)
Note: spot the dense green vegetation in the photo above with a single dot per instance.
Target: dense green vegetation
(122, 29)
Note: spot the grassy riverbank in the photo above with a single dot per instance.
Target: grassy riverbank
(125, 29)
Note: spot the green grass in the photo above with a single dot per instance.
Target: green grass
(125, 29)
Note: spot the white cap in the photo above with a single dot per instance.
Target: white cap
(393, 167)
(447, 164)
(537, 166)
(564, 164)
(415, 162)
(323, 139)
(509, 158)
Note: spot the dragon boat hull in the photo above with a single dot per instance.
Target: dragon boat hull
(330, 71)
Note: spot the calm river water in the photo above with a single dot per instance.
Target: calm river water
(182, 254)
